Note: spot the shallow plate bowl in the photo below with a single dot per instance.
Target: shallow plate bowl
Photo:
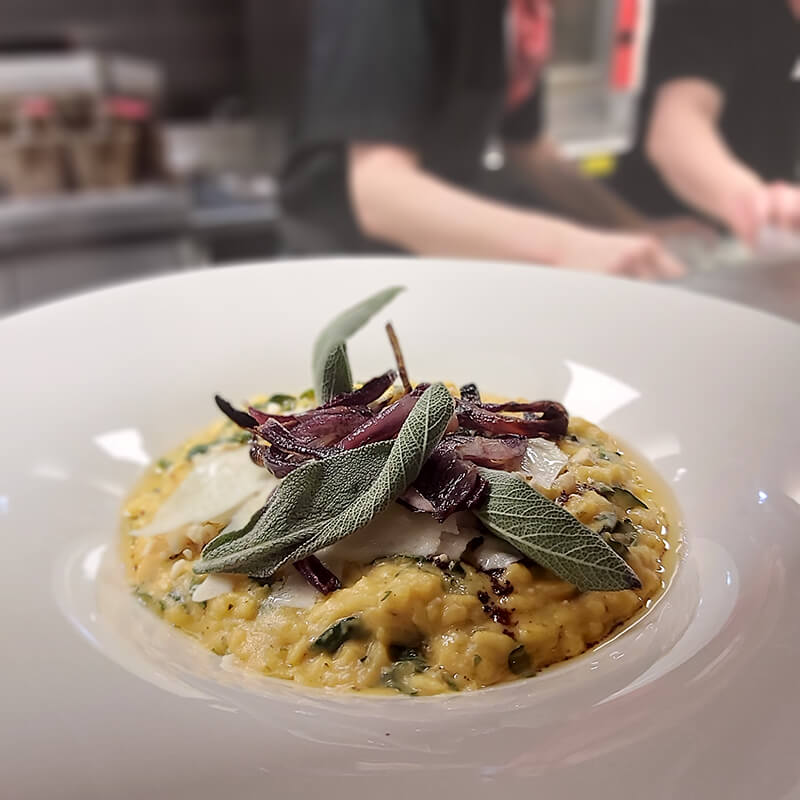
(698, 699)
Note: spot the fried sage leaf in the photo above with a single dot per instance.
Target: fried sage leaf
(324, 501)
(329, 362)
(337, 377)
(551, 536)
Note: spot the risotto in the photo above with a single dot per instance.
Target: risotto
(414, 540)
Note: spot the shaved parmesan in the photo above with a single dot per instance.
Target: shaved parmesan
(220, 482)
(494, 553)
(452, 545)
(543, 462)
(457, 531)
(213, 586)
(230, 663)
(245, 512)
(395, 531)
(291, 590)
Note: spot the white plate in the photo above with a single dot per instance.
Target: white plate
(100, 699)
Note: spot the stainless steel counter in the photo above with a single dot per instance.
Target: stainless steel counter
(773, 287)
(767, 278)
(58, 245)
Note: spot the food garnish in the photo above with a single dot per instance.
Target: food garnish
(346, 461)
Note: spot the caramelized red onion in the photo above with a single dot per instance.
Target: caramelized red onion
(450, 483)
(539, 409)
(384, 425)
(322, 427)
(253, 416)
(470, 392)
(479, 434)
(241, 418)
(358, 399)
(317, 574)
(316, 433)
(260, 417)
(277, 461)
(278, 435)
(368, 393)
(549, 420)
(502, 452)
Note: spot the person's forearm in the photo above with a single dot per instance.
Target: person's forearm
(685, 146)
(397, 202)
(568, 191)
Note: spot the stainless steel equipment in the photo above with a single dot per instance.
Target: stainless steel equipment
(63, 244)
(596, 74)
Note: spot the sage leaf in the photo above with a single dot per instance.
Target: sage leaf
(226, 536)
(623, 537)
(198, 449)
(311, 496)
(337, 377)
(286, 402)
(519, 660)
(401, 652)
(329, 362)
(398, 675)
(323, 501)
(621, 497)
(332, 638)
(551, 536)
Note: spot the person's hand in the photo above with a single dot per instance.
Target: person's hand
(775, 204)
(632, 254)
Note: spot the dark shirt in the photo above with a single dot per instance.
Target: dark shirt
(750, 50)
(430, 75)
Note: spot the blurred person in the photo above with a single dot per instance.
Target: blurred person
(720, 121)
(402, 98)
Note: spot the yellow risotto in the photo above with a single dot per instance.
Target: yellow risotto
(420, 623)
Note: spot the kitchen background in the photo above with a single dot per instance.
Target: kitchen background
(145, 136)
